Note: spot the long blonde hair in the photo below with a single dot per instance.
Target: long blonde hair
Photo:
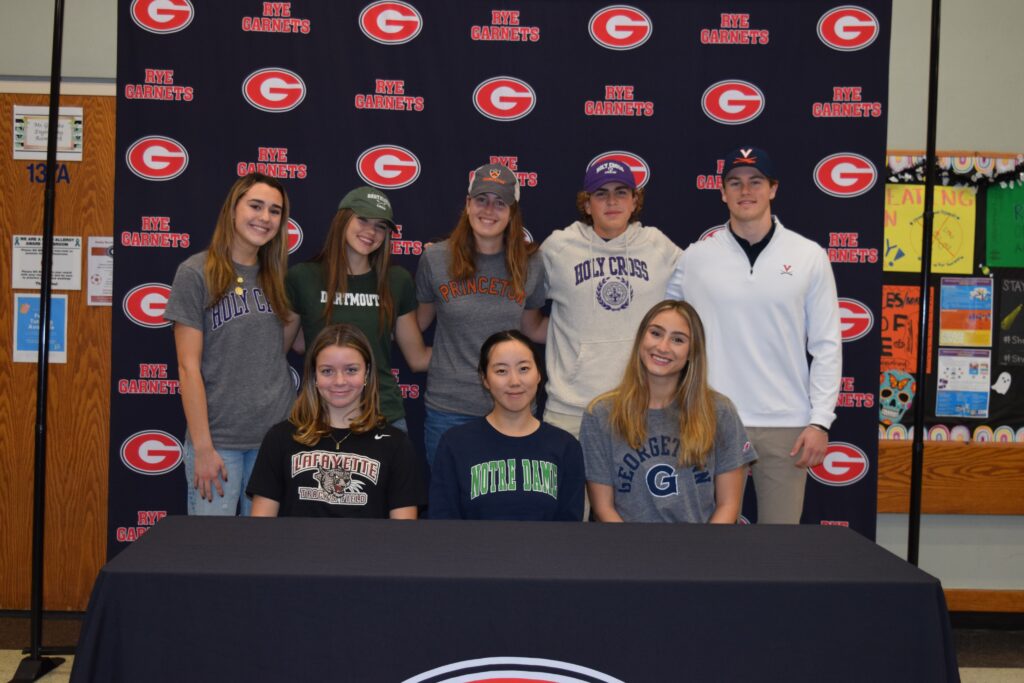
(334, 263)
(309, 414)
(694, 398)
(517, 249)
(272, 257)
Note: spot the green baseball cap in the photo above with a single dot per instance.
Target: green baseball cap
(368, 202)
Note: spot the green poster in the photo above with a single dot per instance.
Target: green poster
(1004, 227)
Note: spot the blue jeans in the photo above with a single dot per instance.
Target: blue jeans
(435, 424)
(239, 466)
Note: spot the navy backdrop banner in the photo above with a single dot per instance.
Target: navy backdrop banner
(410, 97)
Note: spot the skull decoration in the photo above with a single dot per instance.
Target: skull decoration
(896, 393)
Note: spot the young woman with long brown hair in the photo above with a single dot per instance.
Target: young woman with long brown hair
(230, 318)
(336, 456)
(352, 281)
(483, 278)
(663, 446)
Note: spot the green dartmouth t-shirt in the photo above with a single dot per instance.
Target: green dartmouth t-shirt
(358, 306)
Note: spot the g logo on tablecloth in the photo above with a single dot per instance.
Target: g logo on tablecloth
(508, 669)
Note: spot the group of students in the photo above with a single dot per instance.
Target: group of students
(634, 342)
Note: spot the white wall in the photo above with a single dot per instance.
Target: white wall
(981, 99)
(90, 39)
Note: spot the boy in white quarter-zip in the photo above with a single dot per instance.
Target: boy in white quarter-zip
(768, 300)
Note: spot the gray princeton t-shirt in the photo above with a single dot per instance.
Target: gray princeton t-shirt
(248, 386)
(468, 312)
(648, 483)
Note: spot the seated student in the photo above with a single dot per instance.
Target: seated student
(335, 456)
(508, 464)
(663, 446)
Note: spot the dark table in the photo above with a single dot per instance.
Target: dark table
(226, 599)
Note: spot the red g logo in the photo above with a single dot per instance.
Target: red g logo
(504, 98)
(162, 16)
(848, 28)
(733, 102)
(845, 175)
(294, 235)
(509, 669)
(641, 171)
(274, 90)
(388, 167)
(390, 22)
(844, 464)
(156, 158)
(145, 305)
(620, 27)
(855, 319)
(151, 452)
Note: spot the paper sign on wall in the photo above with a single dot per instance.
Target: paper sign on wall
(28, 322)
(31, 129)
(27, 262)
(952, 229)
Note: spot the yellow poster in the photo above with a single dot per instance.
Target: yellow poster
(952, 229)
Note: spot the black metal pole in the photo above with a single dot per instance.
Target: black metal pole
(921, 400)
(35, 665)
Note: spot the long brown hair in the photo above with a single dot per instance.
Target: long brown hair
(334, 262)
(517, 249)
(309, 414)
(272, 257)
(695, 399)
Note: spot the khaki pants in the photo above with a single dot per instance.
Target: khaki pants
(778, 483)
(571, 424)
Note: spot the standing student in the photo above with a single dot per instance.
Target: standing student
(602, 272)
(768, 300)
(336, 456)
(662, 446)
(230, 317)
(483, 278)
(351, 281)
(508, 464)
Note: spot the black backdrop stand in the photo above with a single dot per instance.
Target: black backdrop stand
(921, 400)
(35, 665)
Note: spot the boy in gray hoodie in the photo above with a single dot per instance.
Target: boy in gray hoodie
(602, 273)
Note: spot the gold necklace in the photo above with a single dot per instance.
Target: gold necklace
(337, 443)
(238, 288)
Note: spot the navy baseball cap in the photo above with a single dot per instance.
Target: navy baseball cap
(749, 157)
(608, 171)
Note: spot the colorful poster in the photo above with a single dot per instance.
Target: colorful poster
(963, 385)
(28, 321)
(1011, 323)
(952, 229)
(900, 327)
(1004, 227)
(965, 311)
